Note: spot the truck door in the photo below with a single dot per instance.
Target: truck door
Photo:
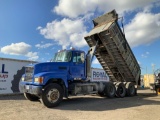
(77, 66)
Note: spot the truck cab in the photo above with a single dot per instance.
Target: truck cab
(67, 68)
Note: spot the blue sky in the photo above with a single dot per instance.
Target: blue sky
(36, 29)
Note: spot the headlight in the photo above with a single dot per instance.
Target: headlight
(22, 78)
(38, 80)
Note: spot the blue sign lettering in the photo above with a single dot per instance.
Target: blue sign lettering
(99, 74)
(3, 69)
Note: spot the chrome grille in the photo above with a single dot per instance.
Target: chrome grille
(29, 74)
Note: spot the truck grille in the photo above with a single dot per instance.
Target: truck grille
(29, 74)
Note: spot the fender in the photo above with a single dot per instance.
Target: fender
(53, 75)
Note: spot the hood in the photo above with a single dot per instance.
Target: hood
(50, 67)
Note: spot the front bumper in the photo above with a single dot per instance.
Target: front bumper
(32, 89)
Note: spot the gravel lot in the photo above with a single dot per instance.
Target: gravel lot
(144, 106)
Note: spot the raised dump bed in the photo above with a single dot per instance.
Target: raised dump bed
(113, 51)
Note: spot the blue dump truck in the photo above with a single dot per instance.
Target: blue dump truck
(70, 73)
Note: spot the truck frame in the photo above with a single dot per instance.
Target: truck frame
(69, 73)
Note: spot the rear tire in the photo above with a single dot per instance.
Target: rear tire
(52, 95)
(109, 90)
(120, 90)
(31, 97)
(130, 89)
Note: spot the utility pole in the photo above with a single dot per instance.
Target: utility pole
(146, 70)
(153, 68)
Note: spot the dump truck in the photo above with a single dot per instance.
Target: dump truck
(69, 73)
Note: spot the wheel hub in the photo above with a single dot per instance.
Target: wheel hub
(53, 95)
(121, 90)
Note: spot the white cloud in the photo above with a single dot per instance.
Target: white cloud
(20, 49)
(139, 62)
(44, 45)
(32, 55)
(145, 55)
(65, 32)
(143, 29)
(75, 8)
(148, 8)
(70, 32)
(39, 27)
(16, 48)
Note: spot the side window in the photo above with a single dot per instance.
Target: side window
(74, 57)
(77, 57)
(68, 56)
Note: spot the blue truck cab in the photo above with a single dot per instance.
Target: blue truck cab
(44, 79)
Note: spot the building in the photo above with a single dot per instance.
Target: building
(148, 79)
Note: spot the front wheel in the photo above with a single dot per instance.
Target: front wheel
(52, 95)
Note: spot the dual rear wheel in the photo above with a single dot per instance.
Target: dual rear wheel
(119, 89)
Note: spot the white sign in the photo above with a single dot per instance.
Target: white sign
(10, 74)
(99, 75)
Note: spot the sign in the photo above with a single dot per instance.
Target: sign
(10, 74)
(99, 75)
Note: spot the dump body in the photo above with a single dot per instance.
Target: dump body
(113, 51)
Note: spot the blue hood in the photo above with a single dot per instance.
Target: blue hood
(51, 67)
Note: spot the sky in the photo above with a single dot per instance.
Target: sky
(36, 29)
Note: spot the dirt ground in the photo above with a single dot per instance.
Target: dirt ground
(144, 106)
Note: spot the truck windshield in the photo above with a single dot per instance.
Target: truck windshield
(64, 56)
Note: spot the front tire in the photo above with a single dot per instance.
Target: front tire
(52, 95)
(31, 97)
